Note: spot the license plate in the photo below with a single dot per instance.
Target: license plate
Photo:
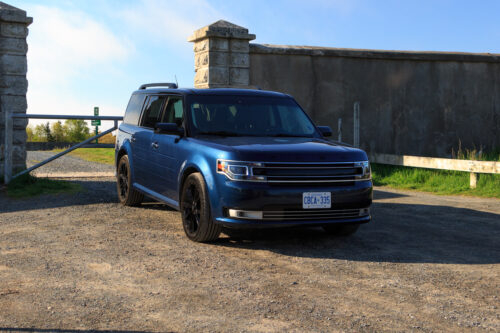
(311, 200)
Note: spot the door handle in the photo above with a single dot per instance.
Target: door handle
(132, 139)
(155, 145)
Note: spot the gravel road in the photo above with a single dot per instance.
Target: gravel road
(83, 262)
(64, 164)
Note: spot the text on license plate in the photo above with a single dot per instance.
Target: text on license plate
(312, 200)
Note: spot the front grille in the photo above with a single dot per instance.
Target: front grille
(308, 172)
(313, 214)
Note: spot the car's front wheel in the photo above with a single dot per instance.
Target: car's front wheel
(195, 209)
(126, 194)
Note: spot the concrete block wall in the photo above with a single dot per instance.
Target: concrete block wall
(411, 103)
(13, 83)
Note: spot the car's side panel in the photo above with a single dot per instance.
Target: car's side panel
(163, 159)
(141, 151)
(172, 203)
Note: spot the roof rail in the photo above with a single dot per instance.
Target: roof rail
(166, 84)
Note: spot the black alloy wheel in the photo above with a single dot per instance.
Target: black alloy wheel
(191, 209)
(195, 209)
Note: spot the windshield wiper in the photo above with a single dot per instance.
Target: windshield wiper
(220, 133)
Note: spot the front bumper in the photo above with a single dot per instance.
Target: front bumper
(273, 199)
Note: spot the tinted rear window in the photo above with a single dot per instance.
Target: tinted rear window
(133, 111)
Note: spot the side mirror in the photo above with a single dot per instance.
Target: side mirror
(325, 130)
(169, 128)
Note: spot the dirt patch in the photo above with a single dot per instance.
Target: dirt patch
(83, 262)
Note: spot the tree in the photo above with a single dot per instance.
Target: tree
(30, 133)
(41, 133)
(76, 130)
(47, 132)
(58, 132)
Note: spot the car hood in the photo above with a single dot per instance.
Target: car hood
(282, 149)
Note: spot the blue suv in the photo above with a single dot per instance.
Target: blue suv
(236, 158)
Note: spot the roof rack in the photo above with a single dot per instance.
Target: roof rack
(166, 84)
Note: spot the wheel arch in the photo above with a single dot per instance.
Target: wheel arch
(119, 155)
(202, 166)
(125, 149)
(186, 172)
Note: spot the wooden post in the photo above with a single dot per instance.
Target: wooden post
(473, 179)
(340, 130)
(7, 173)
(356, 124)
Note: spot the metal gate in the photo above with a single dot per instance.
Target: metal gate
(9, 126)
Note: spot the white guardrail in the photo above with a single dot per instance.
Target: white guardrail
(473, 167)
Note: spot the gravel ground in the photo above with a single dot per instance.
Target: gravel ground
(64, 164)
(83, 262)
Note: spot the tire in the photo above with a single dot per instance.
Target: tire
(341, 229)
(126, 194)
(195, 210)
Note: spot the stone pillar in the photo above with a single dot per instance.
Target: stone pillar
(13, 83)
(221, 56)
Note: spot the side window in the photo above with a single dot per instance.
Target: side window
(153, 111)
(134, 109)
(174, 111)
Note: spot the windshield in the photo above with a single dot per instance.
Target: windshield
(249, 116)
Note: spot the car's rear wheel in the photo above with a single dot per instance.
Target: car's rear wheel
(195, 209)
(126, 194)
(341, 229)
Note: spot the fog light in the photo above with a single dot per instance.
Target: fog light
(245, 214)
(364, 211)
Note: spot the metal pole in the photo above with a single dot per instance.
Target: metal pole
(340, 130)
(65, 152)
(356, 124)
(7, 172)
(53, 116)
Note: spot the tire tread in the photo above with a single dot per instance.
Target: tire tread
(134, 197)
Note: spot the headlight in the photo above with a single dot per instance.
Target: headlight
(236, 170)
(367, 170)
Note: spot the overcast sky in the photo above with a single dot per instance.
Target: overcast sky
(96, 52)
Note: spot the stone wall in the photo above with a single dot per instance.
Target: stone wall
(13, 83)
(415, 103)
(221, 55)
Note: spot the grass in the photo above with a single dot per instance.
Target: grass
(476, 155)
(435, 181)
(28, 186)
(99, 155)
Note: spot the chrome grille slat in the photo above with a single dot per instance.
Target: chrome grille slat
(301, 215)
(307, 167)
(312, 176)
(312, 211)
(303, 172)
(311, 214)
(312, 181)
